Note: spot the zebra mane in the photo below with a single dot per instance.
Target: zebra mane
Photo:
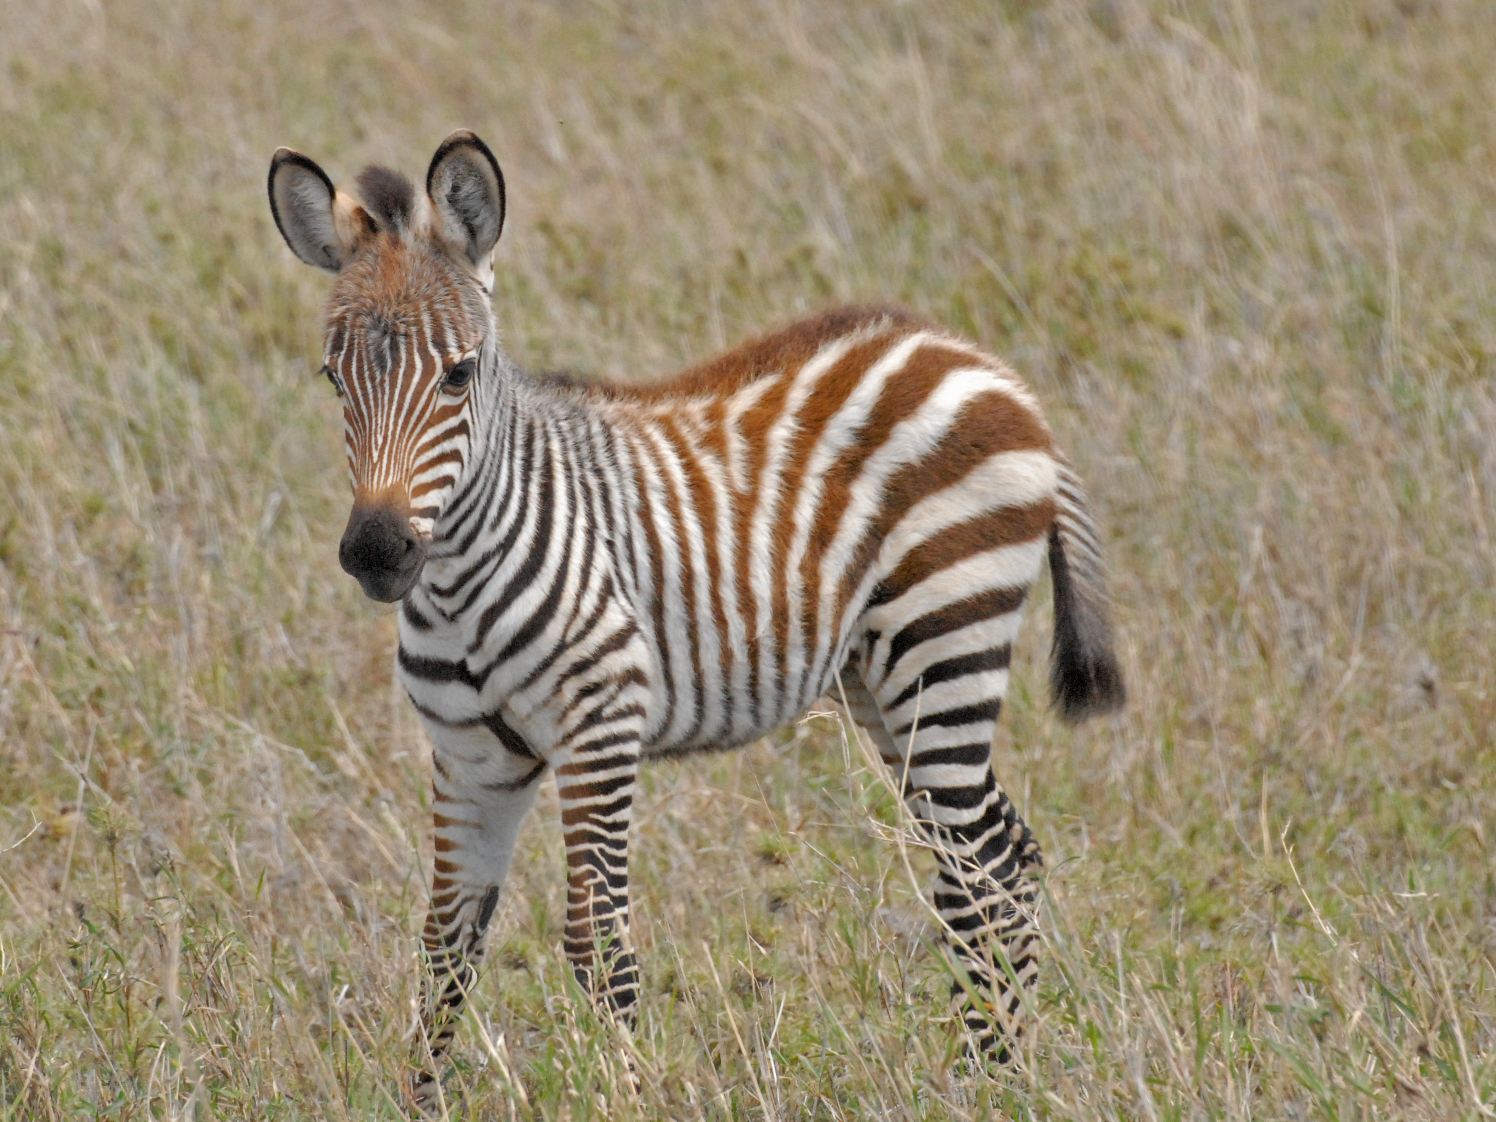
(388, 195)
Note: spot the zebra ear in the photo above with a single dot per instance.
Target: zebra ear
(466, 189)
(323, 226)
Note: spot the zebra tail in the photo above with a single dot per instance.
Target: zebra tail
(1085, 679)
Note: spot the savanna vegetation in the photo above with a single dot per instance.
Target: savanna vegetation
(1244, 252)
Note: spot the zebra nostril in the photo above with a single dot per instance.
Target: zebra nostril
(381, 550)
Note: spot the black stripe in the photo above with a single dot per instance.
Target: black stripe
(987, 605)
(602, 715)
(535, 552)
(543, 615)
(569, 640)
(965, 755)
(519, 784)
(440, 670)
(954, 718)
(524, 462)
(616, 642)
(604, 742)
(413, 615)
(481, 496)
(961, 798)
(994, 658)
(590, 764)
(506, 735)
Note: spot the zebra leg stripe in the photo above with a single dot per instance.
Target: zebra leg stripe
(983, 895)
(476, 824)
(597, 795)
(986, 897)
(940, 714)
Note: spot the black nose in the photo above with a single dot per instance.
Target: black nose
(382, 551)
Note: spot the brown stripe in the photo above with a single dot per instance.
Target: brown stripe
(989, 424)
(433, 438)
(588, 815)
(991, 530)
(903, 395)
(753, 426)
(825, 400)
(786, 349)
(702, 499)
(712, 436)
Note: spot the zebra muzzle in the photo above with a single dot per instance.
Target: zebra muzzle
(382, 552)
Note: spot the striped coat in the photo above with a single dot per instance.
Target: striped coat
(592, 575)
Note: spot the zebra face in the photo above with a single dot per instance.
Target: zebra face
(408, 322)
(404, 335)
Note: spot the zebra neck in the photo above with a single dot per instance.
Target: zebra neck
(494, 421)
(499, 520)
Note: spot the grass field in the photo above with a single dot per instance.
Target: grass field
(1244, 252)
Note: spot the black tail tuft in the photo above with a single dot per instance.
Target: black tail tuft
(1085, 679)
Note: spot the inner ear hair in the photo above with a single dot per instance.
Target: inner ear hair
(466, 189)
(322, 225)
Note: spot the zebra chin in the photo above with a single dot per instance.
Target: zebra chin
(382, 551)
(388, 589)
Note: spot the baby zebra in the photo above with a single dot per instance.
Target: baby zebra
(591, 576)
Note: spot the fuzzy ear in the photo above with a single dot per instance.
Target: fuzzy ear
(466, 189)
(323, 226)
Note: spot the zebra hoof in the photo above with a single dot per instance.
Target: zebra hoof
(425, 1096)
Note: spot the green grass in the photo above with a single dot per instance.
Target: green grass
(1245, 254)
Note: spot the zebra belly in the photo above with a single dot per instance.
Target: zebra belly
(739, 716)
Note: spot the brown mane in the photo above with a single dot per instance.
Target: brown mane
(388, 195)
(786, 349)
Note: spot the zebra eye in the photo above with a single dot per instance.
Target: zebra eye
(460, 375)
(333, 378)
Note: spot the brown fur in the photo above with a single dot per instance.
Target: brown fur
(989, 424)
(831, 393)
(776, 352)
(388, 195)
(992, 529)
(901, 398)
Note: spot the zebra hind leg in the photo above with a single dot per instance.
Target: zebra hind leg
(986, 896)
(985, 892)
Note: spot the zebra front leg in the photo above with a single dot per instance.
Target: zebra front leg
(597, 796)
(477, 815)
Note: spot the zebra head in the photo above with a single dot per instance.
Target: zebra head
(408, 336)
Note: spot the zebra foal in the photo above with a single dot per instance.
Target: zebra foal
(592, 576)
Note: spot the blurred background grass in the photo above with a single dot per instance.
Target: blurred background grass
(1244, 252)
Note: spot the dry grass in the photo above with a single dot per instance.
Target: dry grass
(1246, 253)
